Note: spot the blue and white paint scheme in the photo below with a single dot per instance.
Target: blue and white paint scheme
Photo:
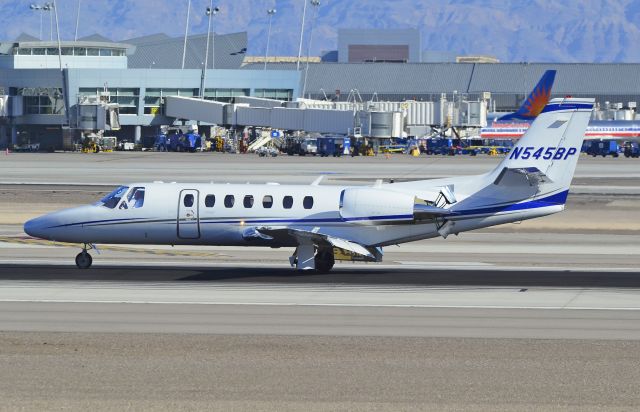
(325, 222)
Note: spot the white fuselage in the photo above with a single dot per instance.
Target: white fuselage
(164, 218)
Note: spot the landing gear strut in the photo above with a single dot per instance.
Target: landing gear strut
(84, 259)
(310, 257)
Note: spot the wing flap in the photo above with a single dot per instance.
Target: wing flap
(319, 239)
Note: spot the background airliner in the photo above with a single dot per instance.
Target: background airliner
(597, 129)
(514, 125)
(318, 221)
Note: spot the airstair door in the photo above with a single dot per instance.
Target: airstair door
(188, 217)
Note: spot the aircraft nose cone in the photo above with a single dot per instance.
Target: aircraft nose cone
(35, 228)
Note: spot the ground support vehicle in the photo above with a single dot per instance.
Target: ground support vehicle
(333, 146)
(631, 149)
(603, 148)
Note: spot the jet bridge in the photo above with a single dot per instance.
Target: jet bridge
(190, 108)
(251, 113)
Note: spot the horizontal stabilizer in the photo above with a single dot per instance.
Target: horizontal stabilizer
(515, 176)
(423, 211)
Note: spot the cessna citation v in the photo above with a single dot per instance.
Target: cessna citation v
(326, 223)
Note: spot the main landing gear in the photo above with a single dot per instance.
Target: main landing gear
(84, 259)
(311, 257)
(324, 260)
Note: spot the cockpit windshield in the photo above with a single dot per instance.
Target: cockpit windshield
(111, 200)
(136, 197)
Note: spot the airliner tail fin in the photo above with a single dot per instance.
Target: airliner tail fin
(536, 101)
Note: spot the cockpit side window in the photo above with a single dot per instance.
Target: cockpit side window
(111, 200)
(136, 197)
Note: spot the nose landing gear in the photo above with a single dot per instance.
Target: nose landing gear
(84, 259)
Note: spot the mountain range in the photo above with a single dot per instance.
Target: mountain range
(511, 30)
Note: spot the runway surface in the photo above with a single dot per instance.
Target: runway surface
(539, 316)
(385, 301)
(384, 338)
(379, 337)
(121, 167)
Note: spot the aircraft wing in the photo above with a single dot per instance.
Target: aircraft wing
(304, 236)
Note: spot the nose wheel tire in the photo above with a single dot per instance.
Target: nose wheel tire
(84, 260)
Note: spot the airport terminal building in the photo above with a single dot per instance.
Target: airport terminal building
(136, 75)
(40, 101)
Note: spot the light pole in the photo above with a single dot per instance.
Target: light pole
(211, 11)
(213, 38)
(64, 90)
(316, 5)
(55, 11)
(75, 38)
(304, 13)
(39, 8)
(270, 12)
(49, 7)
(186, 33)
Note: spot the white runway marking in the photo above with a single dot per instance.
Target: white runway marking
(256, 294)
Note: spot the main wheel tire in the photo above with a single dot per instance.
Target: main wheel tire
(84, 260)
(324, 261)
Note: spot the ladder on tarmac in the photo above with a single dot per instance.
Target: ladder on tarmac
(259, 142)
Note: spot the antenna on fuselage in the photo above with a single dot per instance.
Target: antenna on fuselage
(317, 181)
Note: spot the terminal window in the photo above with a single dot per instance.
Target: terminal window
(126, 98)
(153, 98)
(68, 51)
(42, 100)
(278, 94)
(224, 95)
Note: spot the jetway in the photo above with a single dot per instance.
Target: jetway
(195, 109)
(375, 119)
(260, 113)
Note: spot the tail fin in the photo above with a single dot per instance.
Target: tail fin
(536, 101)
(548, 152)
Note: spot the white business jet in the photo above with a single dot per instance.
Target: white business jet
(327, 223)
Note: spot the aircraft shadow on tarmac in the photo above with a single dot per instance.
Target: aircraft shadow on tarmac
(339, 276)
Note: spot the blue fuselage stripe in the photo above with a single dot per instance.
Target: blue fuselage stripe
(553, 200)
(567, 106)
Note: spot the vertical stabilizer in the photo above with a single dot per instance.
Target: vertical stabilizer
(549, 150)
(536, 101)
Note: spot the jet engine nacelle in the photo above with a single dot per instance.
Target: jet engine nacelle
(366, 203)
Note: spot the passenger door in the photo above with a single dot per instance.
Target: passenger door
(188, 217)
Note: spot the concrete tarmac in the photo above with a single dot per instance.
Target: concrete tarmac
(116, 371)
(277, 316)
(238, 338)
(123, 167)
(539, 316)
